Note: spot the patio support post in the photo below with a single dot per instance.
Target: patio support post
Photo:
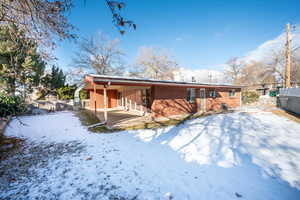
(105, 103)
(95, 103)
(130, 105)
(123, 104)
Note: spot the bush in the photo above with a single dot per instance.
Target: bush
(66, 93)
(273, 93)
(11, 105)
(83, 94)
(249, 96)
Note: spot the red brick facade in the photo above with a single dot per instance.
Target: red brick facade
(223, 97)
(167, 100)
(97, 98)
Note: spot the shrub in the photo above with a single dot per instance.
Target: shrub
(66, 93)
(273, 93)
(249, 96)
(11, 105)
(83, 94)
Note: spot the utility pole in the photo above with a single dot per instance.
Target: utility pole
(288, 57)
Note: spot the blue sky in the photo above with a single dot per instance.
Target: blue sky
(200, 34)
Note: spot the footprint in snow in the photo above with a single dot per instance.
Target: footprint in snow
(238, 195)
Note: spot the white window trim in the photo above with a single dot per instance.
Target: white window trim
(230, 93)
(214, 92)
(192, 95)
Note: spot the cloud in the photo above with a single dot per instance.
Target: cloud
(264, 51)
(200, 75)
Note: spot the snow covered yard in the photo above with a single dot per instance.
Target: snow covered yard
(240, 155)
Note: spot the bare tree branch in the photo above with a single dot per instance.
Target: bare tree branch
(99, 54)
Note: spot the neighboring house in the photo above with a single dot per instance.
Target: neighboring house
(263, 88)
(160, 98)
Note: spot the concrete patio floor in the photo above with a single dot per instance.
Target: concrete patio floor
(116, 116)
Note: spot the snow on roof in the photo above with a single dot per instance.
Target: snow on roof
(153, 81)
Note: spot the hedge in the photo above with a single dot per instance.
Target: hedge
(11, 105)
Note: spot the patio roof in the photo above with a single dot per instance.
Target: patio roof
(118, 80)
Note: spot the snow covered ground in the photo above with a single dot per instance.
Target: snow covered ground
(241, 155)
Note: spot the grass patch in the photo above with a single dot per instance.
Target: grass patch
(104, 129)
(287, 114)
(88, 118)
(159, 124)
(154, 124)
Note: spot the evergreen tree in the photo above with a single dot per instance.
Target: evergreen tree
(21, 66)
(54, 80)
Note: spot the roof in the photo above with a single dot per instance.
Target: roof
(115, 80)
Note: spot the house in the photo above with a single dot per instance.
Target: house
(160, 98)
(263, 88)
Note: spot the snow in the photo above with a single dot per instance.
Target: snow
(241, 155)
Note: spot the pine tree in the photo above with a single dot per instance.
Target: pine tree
(53, 80)
(21, 66)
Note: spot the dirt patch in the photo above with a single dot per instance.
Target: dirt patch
(286, 114)
(88, 118)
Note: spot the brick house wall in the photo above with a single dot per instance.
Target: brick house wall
(134, 95)
(98, 96)
(167, 100)
(214, 104)
(170, 100)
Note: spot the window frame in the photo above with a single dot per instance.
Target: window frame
(212, 93)
(230, 93)
(191, 96)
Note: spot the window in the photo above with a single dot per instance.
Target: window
(231, 93)
(145, 95)
(213, 93)
(191, 95)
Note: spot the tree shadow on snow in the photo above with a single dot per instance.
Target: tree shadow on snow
(226, 153)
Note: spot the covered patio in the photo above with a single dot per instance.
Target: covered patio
(114, 102)
(115, 117)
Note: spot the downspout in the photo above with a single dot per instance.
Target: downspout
(77, 103)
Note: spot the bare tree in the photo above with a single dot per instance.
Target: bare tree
(154, 63)
(277, 64)
(40, 19)
(45, 20)
(233, 70)
(255, 73)
(99, 54)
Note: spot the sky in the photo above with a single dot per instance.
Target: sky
(199, 34)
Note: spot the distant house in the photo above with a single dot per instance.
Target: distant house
(263, 88)
(160, 98)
